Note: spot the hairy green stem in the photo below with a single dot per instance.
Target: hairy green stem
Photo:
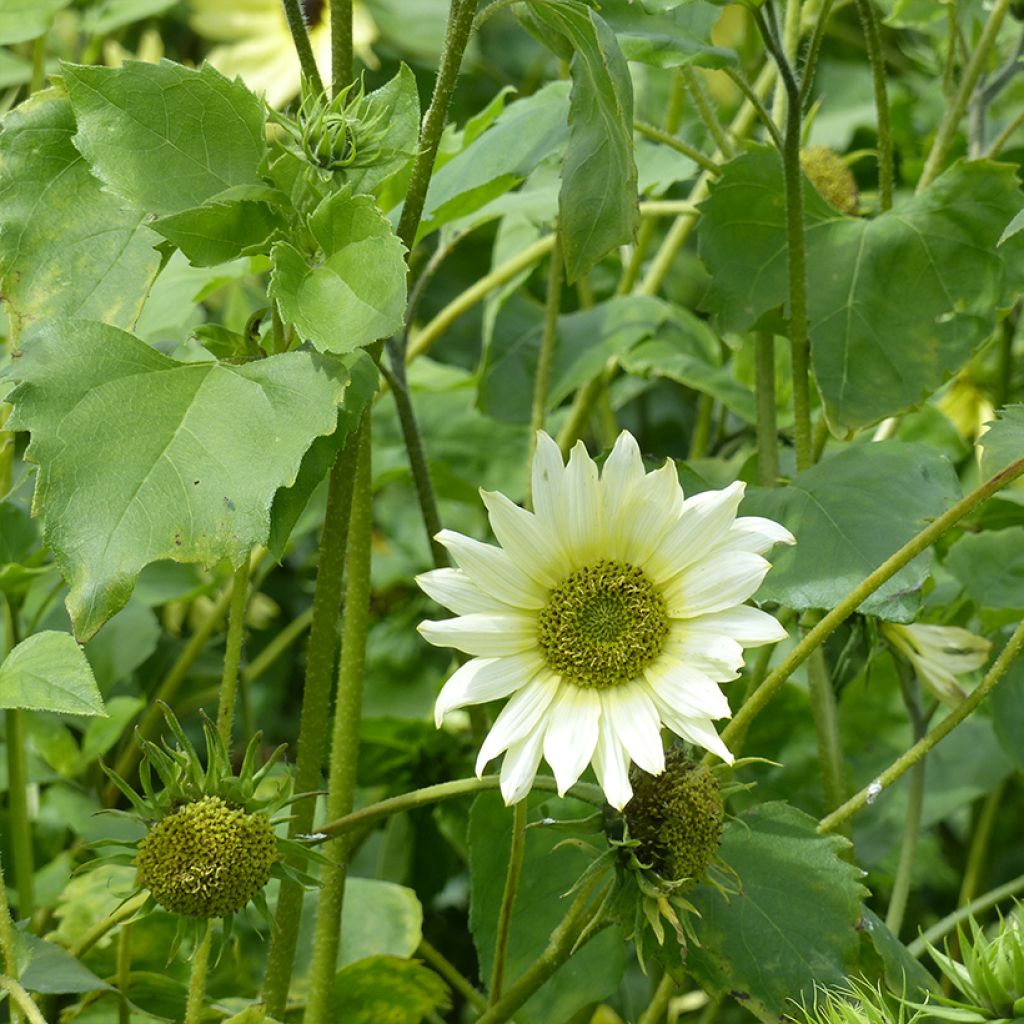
(873, 40)
(909, 758)
(197, 977)
(767, 425)
(759, 699)
(278, 645)
(460, 23)
(814, 50)
(23, 1000)
(950, 921)
(18, 820)
(7, 950)
(345, 735)
(657, 1009)
(233, 652)
(982, 835)
(549, 336)
(436, 959)
(911, 691)
(366, 816)
(300, 37)
(759, 108)
(790, 46)
(38, 63)
(321, 656)
(698, 93)
(955, 110)
(657, 134)
(583, 405)
(341, 45)
(508, 900)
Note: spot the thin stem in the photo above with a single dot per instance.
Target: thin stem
(366, 816)
(978, 853)
(955, 110)
(695, 87)
(436, 959)
(911, 691)
(790, 46)
(702, 426)
(657, 1008)
(545, 357)
(508, 899)
(761, 110)
(584, 404)
(23, 999)
(233, 652)
(665, 138)
(767, 425)
(460, 23)
(1004, 380)
(123, 913)
(560, 947)
(488, 12)
(300, 37)
(1004, 136)
(197, 977)
(341, 45)
(124, 973)
(907, 760)
(17, 810)
(316, 699)
(759, 699)
(814, 50)
(826, 724)
(277, 646)
(7, 950)
(873, 40)
(950, 921)
(345, 736)
(38, 63)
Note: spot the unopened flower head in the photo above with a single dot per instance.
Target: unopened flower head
(614, 608)
(939, 655)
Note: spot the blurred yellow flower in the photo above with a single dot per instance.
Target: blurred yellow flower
(967, 406)
(939, 655)
(257, 45)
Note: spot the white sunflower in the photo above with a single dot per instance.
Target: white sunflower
(615, 608)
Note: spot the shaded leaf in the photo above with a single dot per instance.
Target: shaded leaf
(220, 231)
(794, 923)
(387, 990)
(165, 137)
(1007, 703)
(201, 449)
(49, 672)
(1003, 442)
(667, 39)
(52, 970)
(848, 515)
(69, 248)
(990, 565)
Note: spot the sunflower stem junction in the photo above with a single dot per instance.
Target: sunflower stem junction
(233, 653)
(345, 735)
(508, 899)
(303, 48)
(321, 656)
(911, 757)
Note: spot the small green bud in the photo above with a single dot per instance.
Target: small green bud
(676, 818)
(832, 178)
(206, 859)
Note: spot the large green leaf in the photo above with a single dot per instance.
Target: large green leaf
(598, 204)
(1003, 442)
(541, 903)
(990, 565)
(387, 990)
(848, 515)
(49, 672)
(669, 39)
(165, 137)
(68, 248)
(792, 925)
(143, 458)
(52, 970)
(352, 290)
(895, 303)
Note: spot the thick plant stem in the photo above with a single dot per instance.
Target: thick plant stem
(915, 805)
(23, 1000)
(341, 45)
(796, 252)
(559, 948)
(233, 653)
(956, 109)
(759, 699)
(508, 900)
(197, 978)
(321, 656)
(657, 1009)
(460, 23)
(908, 759)
(345, 736)
(767, 424)
(869, 22)
(300, 37)
(17, 811)
(546, 355)
(701, 436)
(365, 816)
(826, 724)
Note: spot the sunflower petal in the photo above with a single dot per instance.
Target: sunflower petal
(714, 585)
(611, 763)
(571, 735)
(636, 725)
(520, 717)
(484, 679)
(485, 635)
(493, 571)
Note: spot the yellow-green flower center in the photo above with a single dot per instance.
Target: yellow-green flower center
(207, 859)
(603, 625)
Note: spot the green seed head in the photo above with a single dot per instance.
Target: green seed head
(603, 625)
(676, 817)
(207, 859)
(831, 176)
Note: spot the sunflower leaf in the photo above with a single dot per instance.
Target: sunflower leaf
(49, 672)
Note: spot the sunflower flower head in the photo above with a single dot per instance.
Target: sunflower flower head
(613, 609)
(939, 655)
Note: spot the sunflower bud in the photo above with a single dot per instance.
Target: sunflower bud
(207, 859)
(676, 818)
(832, 178)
